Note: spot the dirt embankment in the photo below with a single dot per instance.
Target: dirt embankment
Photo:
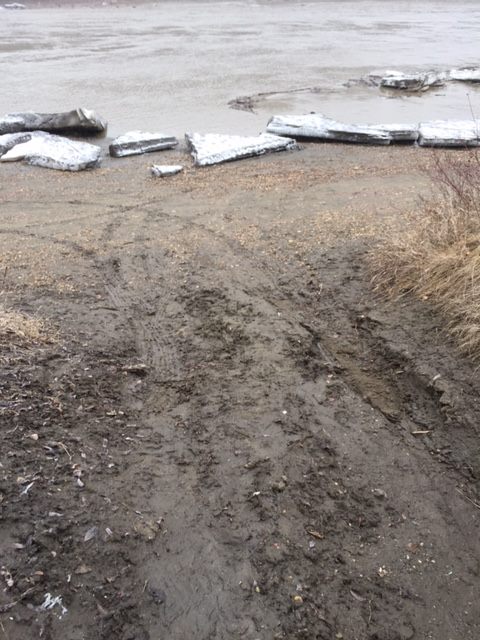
(231, 437)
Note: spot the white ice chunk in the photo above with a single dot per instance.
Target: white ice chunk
(400, 132)
(138, 142)
(81, 121)
(163, 170)
(11, 124)
(55, 152)
(471, 74)
(449, 133)
(9, 140)
(320, 127)
(308, 126)
(413, 81)
(213, 148)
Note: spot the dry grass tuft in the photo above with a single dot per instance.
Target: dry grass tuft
(19, 328)
(438, 257)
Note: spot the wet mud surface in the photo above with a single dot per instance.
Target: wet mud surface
(231, 436)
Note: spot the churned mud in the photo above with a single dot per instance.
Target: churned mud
(228, 435)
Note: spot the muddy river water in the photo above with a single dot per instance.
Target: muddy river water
(174, 66)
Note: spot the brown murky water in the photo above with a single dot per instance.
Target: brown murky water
(174, 66)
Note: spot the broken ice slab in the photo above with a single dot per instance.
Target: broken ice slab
(11, 124)
(9, 140)
(363, 134)
(399, 132)
(467, 74)
(163, 170)
(214, 148)
(137, 142)
(319, 127)
(412, 81)
(55, 152)
(449, 133)
(78, 121)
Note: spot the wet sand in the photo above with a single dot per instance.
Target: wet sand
(265, 448)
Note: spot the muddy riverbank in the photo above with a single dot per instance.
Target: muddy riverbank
(230, 436)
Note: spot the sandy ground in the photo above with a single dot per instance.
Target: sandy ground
(230, 436)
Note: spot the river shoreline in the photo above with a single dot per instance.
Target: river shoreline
(174, 67)
(216, 428)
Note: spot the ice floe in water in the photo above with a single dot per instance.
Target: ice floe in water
(413, 81)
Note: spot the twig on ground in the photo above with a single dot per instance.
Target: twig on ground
(475, 504)
(6, 607)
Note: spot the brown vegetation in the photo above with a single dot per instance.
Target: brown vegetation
(438, 257)
(16, 327)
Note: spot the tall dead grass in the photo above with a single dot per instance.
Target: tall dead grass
(438, 257)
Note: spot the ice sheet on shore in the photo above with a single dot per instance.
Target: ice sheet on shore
(318, 126)
(437, 133)
(11, 124)
(214, 148)
(449, 133)
(164, 170)
(400, 132)
(137, 142)
(55, 152)
(79, 121)
(9, 140)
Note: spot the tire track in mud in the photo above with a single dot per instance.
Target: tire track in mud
(143, 313)
(385, 370)
(285, 555)
(273, 447)
(417, 392)
(209, 312)
(266, 452)
(156, 346)
(272, 544)
(63, 242)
